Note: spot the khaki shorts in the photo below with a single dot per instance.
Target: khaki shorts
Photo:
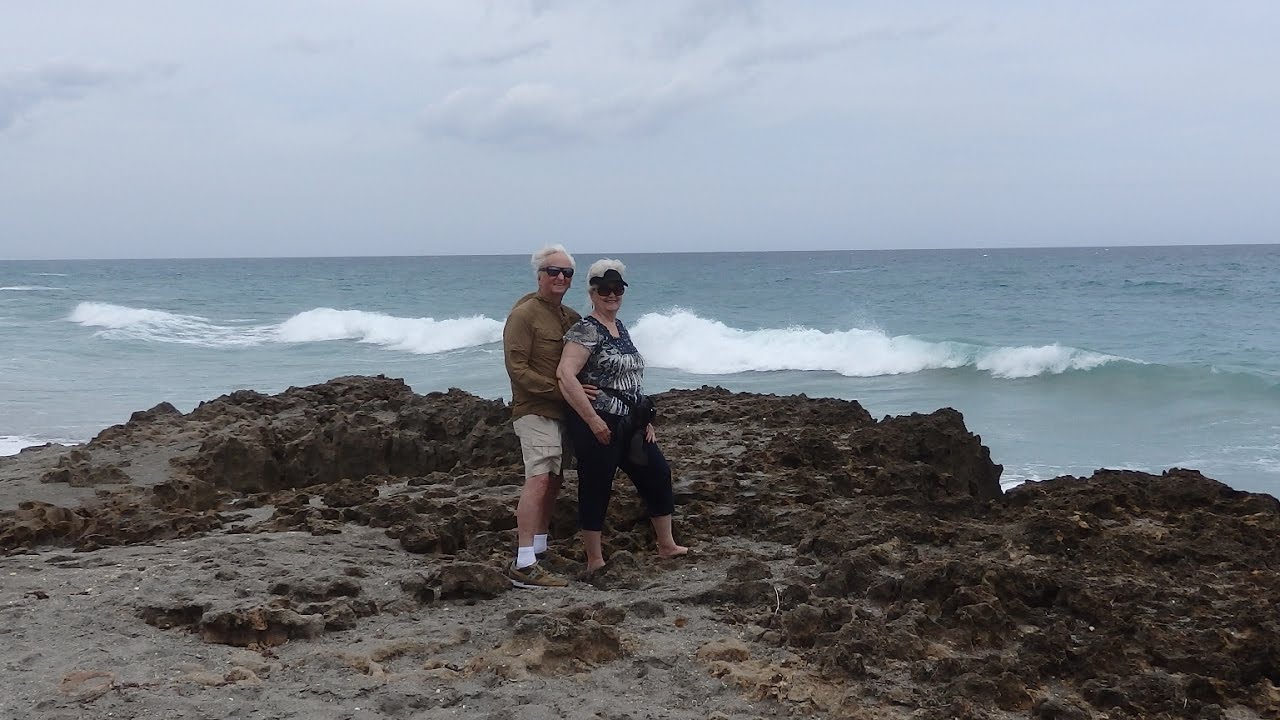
(544, 445)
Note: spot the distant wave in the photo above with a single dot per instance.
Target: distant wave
(48, 274)
(415, 335)
(676, 339)
(12, 444)
(681, 340)
(28, 288)
(128, 323)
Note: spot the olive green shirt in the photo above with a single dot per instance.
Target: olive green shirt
(532, 341)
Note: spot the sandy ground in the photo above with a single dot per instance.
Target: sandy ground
(76, 644)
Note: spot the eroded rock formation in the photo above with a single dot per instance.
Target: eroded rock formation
(882, 555)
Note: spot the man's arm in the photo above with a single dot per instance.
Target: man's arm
(517, 347)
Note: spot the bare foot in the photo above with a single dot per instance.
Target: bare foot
(592, 569)
(666, 553)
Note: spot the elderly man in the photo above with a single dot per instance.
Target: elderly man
(532, 340)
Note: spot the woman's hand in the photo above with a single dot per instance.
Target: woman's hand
(600, 429)
(649, 434)
(591, 390)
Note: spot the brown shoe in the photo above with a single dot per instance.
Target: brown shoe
(534, 577)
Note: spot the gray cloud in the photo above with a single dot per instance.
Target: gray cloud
(807, 50)
(539, 7)
(700, 20)
(532, 115)
(498, 56)
(525, 114)
(22, 92)
(538, 114)
(314, 45)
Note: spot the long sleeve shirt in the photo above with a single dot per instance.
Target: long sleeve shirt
(532, 341)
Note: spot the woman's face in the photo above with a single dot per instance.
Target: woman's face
(608, 295)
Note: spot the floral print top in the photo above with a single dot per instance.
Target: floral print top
(614, 363)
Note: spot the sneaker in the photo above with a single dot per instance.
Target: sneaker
(534, 577)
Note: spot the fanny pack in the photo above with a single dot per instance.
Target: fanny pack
(631, 428)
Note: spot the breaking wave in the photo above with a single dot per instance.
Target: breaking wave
(414, 335)
(683, 341)
(677, 340)
(13, 444)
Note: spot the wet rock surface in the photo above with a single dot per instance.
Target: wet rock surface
(352, 535)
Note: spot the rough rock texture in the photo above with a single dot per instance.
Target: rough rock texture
(843, 567)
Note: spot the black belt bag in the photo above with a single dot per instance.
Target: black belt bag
(642, 411)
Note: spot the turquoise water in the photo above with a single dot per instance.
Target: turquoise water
(1064, 360)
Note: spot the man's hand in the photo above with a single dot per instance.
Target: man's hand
(649, 434)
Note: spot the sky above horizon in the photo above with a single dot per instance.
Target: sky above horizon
(313, 127)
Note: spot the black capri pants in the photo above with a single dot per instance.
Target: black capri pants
(597, 465)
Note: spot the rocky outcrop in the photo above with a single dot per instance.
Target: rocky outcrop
(347, 428)
(879, 555)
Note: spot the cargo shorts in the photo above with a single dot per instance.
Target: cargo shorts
(544, 444)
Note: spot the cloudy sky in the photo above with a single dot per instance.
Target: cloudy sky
(409, 127)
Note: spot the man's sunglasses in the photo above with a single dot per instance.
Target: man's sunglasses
(554, 271)
(610, 290)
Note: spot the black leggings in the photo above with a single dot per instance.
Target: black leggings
(598, 463)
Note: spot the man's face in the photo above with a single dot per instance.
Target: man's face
(554, 286)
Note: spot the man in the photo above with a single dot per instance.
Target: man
(532, 340)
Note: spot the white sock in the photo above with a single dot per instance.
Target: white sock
(525, 557)
(540, 543)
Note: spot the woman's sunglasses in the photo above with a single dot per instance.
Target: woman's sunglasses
(554, 271)
(610, 290)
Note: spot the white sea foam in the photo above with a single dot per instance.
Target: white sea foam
(1022, 362)
(681, 340)
(415, 335)
(677, 339)
(29, 288)
(121, 322)
(11, 444)
(49, 274)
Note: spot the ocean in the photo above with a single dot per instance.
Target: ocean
(1063, 360)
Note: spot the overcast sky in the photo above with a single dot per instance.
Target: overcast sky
(314, 127)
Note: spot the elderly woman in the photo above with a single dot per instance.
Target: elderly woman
(598, 351)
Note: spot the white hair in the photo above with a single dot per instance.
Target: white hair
(598, 269)
(604, 265)
(546, 252)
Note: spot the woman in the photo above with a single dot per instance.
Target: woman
(598, 351)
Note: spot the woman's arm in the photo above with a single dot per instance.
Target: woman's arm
(572, 360)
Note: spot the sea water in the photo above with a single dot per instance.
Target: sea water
(1063, 360)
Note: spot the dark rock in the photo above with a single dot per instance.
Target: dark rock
(746, 570)
(349, 493)
(78, 469)
(467, 580)
(647, 609)
(260, 626)
(161, 410)
(187, 493)
(313, 589)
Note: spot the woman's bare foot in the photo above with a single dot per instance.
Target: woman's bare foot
(672, 551)
(595, 568)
